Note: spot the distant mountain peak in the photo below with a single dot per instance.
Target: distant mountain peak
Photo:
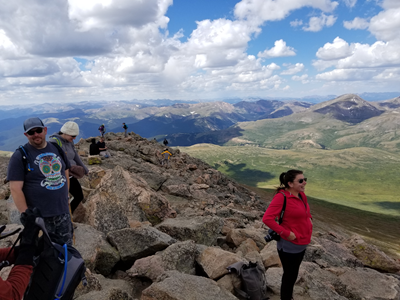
(389, 104)
(348, 108)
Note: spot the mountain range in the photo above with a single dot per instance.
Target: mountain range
(335, 123)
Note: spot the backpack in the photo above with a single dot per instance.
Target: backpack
(254, 283)
(272, 235)
(57, 272)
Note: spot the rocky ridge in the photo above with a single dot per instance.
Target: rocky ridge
(152, 232)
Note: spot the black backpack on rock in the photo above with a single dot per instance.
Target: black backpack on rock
(57, 272)
(254, 283)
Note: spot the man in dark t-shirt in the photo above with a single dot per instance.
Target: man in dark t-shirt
(103, 148)
(43, 181)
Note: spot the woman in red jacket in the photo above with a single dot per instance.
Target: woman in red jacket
(296, 227)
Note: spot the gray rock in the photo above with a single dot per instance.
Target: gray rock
(122, 198)
(98, 254)
(178, 286)
(335, 254)
(13, 213)
(181, 190)
(4, 191)
(10, 240)
(347, 283)
(237, 236)
(180, 256)
(202, 230)
(135, 243)
(110, 289)
(215, 261)
(270, 257)
(318, 283)
(371, 256)
(3, 212)
(368, 284)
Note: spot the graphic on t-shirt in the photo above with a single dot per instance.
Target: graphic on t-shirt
(50, 165)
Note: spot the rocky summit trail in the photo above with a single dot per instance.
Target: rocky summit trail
(153, 232)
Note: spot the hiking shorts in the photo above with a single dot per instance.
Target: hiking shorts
(60, 229)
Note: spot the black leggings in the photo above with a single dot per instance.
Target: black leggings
(76, 190)
(291, 265)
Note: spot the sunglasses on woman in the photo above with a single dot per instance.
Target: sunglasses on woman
(301, 180)
(33, 131)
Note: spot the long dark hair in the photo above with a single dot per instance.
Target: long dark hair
(287, 177)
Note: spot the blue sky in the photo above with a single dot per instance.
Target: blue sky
(72, 50)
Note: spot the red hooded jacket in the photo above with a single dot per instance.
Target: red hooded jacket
(297, 217)
(14, 287)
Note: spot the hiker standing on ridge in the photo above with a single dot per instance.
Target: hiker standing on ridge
(296, 227)
(126, 129)
(102, 130)
(165, 142)
(65, 139)
(165, 155)
(39, 177)
(14, 287)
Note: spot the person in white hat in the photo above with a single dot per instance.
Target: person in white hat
(65, 139)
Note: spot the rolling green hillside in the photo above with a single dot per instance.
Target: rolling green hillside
(315, 130)
(362, 178)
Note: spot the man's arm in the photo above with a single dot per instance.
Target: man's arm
(18, 195)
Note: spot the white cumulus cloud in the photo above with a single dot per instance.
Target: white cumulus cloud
(296, 23)
(293, 69)
(347, 75)
(91, 14)
(336, 50)
(385, 25)
(279, 50)
(357, 23)
(303, 78)
(259, 11)
(350, 3)
(318, 23)
(356, 55)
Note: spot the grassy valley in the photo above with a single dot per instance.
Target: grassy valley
(362, 178)
(5, 153)
(311, 129)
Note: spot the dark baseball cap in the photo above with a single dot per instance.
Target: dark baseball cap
(32, 123)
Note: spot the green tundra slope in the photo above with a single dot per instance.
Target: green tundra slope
(313, 130)
(363, 178)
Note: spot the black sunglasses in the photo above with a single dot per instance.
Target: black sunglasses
(301, 180)
(32, 131)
